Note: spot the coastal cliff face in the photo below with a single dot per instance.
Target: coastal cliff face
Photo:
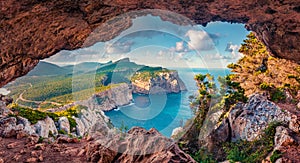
(162, 82)
(33, 30)
(110, 99)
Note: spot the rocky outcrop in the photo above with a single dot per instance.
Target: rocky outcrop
(28, 128)
(249, 121)
(90, 119)
(163, 82)
(112, 98)
(245, 121)
(33, 30)
(138, 145)
(287, 143)
(45, 127)
(63, 124)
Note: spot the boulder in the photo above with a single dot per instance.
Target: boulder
(28, 128)
(282, 138)
(4, 111)
(9, 127)
(63, 124)
(138, 145)
(44, 127)
(249, 121)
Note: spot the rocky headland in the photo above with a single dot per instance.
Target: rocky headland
(161, 82)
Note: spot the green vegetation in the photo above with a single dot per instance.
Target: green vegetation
(209, 96)
(254, 151)
(201, 104)
(46, 105)
(276, 155)
(231, 93)
(63, 87)
(123, 128)
(278, 95)
(34, 116)
(63, 132)
(257, 71)
(81, 95)
(146, 73)
(203, 156)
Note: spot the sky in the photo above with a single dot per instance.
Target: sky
(154, 42)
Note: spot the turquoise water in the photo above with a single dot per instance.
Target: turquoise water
(165, 111)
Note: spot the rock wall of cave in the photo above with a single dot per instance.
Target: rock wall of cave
(31, 30)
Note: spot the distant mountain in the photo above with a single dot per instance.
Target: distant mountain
(84, 67)
(47, 69)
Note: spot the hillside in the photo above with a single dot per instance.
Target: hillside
(46, 69)
(46, 91)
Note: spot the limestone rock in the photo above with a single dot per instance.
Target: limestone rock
(63, 124)
(164, 82)
(283, 138)
(287, 142)
(294, 123)
(44, 127)
(28, 128)
(110, 99)
(247, 123)
(4, 111)
(90, 119)
(9, 127)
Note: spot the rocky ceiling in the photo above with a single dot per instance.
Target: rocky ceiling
(31, 30)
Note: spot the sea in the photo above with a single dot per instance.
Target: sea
(163, 112)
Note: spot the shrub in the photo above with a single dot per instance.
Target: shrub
(34, 116)
(278, 95)
(276, 155)
(264, 86)
(252, 151)
(203, 156)
(63, 132)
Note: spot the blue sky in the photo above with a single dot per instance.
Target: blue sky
(155, 42)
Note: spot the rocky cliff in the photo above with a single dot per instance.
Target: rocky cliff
(31, 30)
(246, 121)
(110, 99)
(161, 82)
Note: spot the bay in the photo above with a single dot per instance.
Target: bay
(163, 112)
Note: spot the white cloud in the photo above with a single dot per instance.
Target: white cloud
(118, 47)
(234, 50)
(179, 46)
(199, 40)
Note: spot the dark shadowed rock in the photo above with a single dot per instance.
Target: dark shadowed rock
(33, 30)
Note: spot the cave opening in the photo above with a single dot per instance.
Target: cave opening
(150, 50)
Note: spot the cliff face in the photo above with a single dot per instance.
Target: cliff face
(247, 121)
(110, 99)
(31, 30)
(163, 82)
